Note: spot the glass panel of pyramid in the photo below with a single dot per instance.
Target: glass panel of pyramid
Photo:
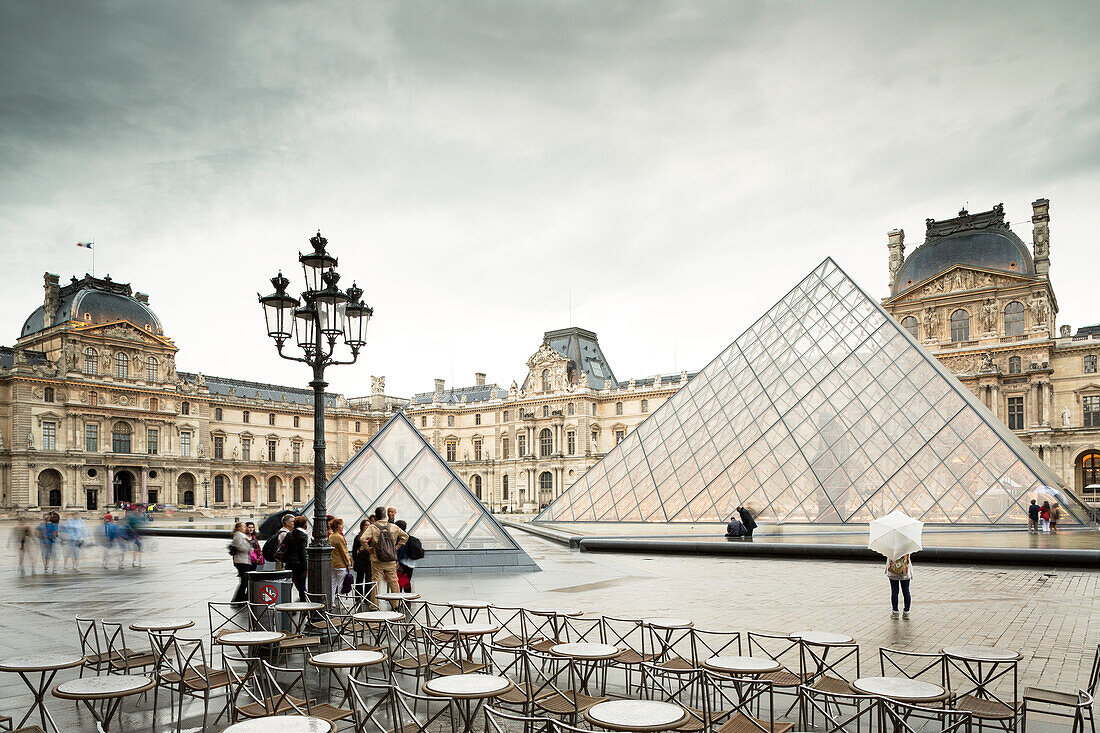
(398, 467)
(825, 410)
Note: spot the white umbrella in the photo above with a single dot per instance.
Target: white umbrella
(895, 535)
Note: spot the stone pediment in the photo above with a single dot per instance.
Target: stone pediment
(125, 331)
(960, 278)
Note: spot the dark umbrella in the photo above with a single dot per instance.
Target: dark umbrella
(273, 522)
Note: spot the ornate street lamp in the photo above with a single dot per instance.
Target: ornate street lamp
(324, 315)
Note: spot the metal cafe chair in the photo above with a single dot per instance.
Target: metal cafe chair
(686, 688)
(1077, 705)
(121, 658)
(989, 689)
(829, 673)
(626, 634)
(927, 666)
(374, 706)
(96, 658)
(901, 717)
(780, 648)
(841, 712)
(555, 686)
(502, 721)
(421, 714)
(281, 693)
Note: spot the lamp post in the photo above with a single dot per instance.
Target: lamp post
(205, 492)
(324, 315)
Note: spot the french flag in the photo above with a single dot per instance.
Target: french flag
(86, 245)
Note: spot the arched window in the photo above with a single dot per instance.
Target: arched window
(504, 488)
(122, 366)
(546, 443)
(545, 380)
(1014, 365)
(91, 361)
(150, 369)
(960, 325)
(272, 490)
(1014, 319)
(475, 484)
(909, 323)
(1090, 473)
(246, 489)
(120, 438)
(1090, 364)
(297, 490)
(546, 481)
(219, 489)
(618, 408)
(645, 406)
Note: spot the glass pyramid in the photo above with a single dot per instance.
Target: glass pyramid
(825, 410)
(398, 467)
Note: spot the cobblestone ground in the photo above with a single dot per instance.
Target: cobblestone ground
(1049, 616)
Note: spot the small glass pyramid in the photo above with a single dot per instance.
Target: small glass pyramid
(398, 467)
(825, 410)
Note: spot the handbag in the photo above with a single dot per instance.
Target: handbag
(345, 587)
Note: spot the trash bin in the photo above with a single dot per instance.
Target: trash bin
(268, 588)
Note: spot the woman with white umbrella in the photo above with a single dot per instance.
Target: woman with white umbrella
(897, 536)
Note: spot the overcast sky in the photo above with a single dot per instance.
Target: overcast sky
(674, 167)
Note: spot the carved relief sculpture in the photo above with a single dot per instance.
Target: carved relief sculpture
(989, 316)
(1066, 417)
(931, 324)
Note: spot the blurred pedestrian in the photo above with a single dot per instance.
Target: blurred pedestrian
(257, 554)
(47, 538)
(132, 534)
(1055, 516)
(1044, 516)
(23, 539)
(72, 534)
(341, 560)
(360, 558)
(294, 557)
(240, 550)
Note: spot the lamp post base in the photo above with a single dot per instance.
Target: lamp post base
(319, 575)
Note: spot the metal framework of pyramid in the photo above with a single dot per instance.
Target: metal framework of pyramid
(825, 410)
(398, 467)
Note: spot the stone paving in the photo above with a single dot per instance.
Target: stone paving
(1049, 616)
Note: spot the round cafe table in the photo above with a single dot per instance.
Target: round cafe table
(980, 667)
(553, 618)
(351, 660)
(820, 638)
(636, 715)
(589, 655)
(664, 627)
(247, 640)
(162, 624)
(397, 601)
(982, 654)
(283, 724)
(469, 691)
(46, 666)
(469, 608)
(739, 666)
(902, 689)
(107, 690)
(468, 636)
(826, 641)
(298, 611)
(378, 617)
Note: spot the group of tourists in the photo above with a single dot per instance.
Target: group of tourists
(60, 543)
(1043, 518)
(741, 524)
(382, 550)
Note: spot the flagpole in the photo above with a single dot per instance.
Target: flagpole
(93, 257)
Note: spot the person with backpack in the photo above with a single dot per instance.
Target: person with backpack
(294, 554)
(274, 547)
(407, 555)
(900, 572)
(384, 539)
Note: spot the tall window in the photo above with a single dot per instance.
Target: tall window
(154, 404)
(618, 408)
(246, 449)
(49, 436)
(645, 406)
(91, 362)
(1015, 366)
(246, 489)
(450, 421)
(1090, 364)
(505, 416)
(477, 418)
(960, 325)
(271, 418)
(909, 323)
(546, 410)
(504, 488)
(296, 451)
(545, 380)
(219, 446)
(272, 490)
(546, 443)
(572, 409)
(475, 484)
(272, 446)
(185, 408)
(452, 450)
(521, 445)
(122, 366)
(246, 416)
(546, 481)
(358, 426)
(219, 489)
(93, 398)
(152, 441)
(1014, 319)
(1091, 408)
(91, 437)
(504, 449)
(619, 435)
(150, 369)
(477, 449)
(1015, 413)
(593, 408)
(297, 496)
(120, 438)
(185, 444)
(423, 421)
(297, 422)
(217, 413)
(571, 442)
(47, 394)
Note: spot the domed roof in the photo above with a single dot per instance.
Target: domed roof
(93, 301)
(982, 240)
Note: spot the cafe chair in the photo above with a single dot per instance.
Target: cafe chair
(740, 705)
(502, 721)
(686, 688)
(281, 693)
(901, 717)
(555, 681)
(247, 692)
(840, 712)
(423, 714)
(374, 706)
(123, 659)
(96, 657)
(1077, 705)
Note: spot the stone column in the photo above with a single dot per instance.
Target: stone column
(1047, 391)
(995, 401)
(144, 487)
(110, 486)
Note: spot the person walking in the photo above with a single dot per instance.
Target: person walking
(280, 538)
(407, 555)
(256, 555)
(1044, 516)
(747, 520)
(1033, 517)
(23, 538)
(341, 561)
(294, 557)
(1055, 516)
(72, 534)
(240, 548)
(360, 558)
(47, 536)
(900, 572)
(385, 540)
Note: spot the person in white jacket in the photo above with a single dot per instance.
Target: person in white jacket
(241, 550)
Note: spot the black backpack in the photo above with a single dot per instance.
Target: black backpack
(413, 549)
(271, 547)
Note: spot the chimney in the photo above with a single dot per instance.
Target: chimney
(50, 302)
(142, 298)
(439, 384)
(479, 379)
(896, 245)
(1040, 236)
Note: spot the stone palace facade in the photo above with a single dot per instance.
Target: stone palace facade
(94, 412)
(979, 299)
